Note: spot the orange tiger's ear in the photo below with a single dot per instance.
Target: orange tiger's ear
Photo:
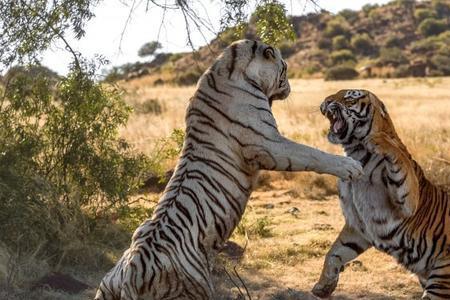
(379, 105)
(383, 110)
(269, 53)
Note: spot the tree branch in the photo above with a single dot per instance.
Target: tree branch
(56, 32)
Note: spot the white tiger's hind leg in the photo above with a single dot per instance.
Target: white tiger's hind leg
(157, 281)
(103, 293)
(347, 247)
(109, 288)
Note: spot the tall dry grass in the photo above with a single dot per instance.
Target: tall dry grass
(420, 109)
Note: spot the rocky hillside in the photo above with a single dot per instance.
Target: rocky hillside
(400, 39)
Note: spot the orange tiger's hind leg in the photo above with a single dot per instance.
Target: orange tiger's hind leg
(347, 247)
(437, 286)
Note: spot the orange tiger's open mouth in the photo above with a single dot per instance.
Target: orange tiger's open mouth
(337, 123)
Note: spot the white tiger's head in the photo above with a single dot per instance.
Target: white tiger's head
(256, 64)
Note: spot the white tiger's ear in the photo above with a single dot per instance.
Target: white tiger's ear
(269, 53)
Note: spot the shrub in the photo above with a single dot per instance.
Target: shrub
(336, 26)
(258, 229)
(63, 167)
(341, 56)
(349, 15)
(391, 56)
(130, 217)
(442, 8)
(318, 56)
(401, 71)
(402, 2)
(312, 68)
(430, 26)
(441, 63)
(149, 49)
(423, 46)
(393, 42)
(165, 151)
(28, 72)
(375, 16)
(324, 43)
(363, 44)
(367, 8)
(445, 37)
(340, 42)
(423, 13)
(432, 44)
(286, 49)
(341, 73)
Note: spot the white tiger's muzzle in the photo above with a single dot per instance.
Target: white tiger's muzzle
(280, 94)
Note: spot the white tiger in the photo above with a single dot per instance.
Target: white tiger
(231, 134)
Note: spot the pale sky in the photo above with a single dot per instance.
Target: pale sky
(104, 31)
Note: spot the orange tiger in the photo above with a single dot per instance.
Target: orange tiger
(392, 207)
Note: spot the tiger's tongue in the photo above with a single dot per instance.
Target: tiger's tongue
(337, 125)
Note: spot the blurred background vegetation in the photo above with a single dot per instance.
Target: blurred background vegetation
(403, 38)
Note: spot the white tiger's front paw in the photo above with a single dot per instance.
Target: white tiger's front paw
(349, 169)
(324, 290)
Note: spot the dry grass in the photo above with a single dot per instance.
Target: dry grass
(286, 262)
(285, 250)
(419, 108)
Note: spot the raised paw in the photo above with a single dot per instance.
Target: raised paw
(350, 169)
(324, 290)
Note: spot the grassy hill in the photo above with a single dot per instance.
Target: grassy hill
(400, 39)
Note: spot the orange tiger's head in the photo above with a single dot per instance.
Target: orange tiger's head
(355, 115)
